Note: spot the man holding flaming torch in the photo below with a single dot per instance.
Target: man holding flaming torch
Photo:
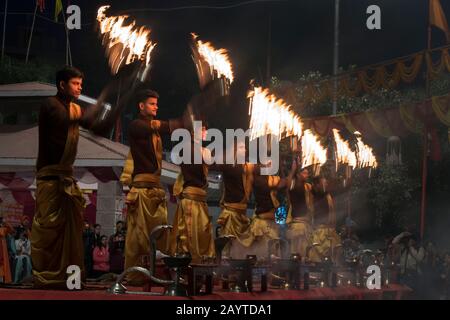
(192, 226)
(146, 200)
(300, 210)
(324, 234)
(263, 226)
(56, 240)
(238, 183)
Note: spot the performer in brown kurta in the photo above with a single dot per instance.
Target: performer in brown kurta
(146, 200)
(300, 210)
(237, 188)
(237, 181)
(56, 237)
(328, 241)
(263, 226)
(192, 226)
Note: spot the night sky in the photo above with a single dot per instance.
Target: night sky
(302, 39)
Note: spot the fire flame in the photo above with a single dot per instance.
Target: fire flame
(366, 158)
(135, 41)
(218, 60)
(313, 153)
(344, 154)
(270, 115)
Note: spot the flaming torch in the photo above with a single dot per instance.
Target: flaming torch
(128, 50)
(270, 115)
(313, 153)
(125, 43)
(344, 155)
(366, 158)
(215, 76)
(211, 63)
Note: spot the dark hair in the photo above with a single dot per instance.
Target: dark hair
(67, 73)
(97, 225)
(144, 94)
(120, 221)
(99, 242)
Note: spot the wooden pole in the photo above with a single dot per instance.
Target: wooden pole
(269, 53)
(31, 34)
(423, 208)
(68, 51)
(4, 29)
(424, 182)
(336, 54)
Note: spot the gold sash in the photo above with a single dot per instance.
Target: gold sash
(239, 207)
(190, 192)
(146, 180)
(270, 215)
(193, 193)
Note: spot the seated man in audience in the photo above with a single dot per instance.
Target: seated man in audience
(23, 260)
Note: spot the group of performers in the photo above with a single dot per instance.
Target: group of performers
(56, 240)
(311, 217)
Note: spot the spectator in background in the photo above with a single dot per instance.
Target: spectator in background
(97, 234)
(101, 257)
(25, 225)
(412, 255)
(5, 271)
(23, 257)
(117, 247)
(88, 236)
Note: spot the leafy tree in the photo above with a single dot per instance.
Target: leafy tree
(14, 70)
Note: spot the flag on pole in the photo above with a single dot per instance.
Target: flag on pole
(41, 5)
(58, 9)
(437, 17)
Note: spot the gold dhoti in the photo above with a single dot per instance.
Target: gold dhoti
(255, 240)
(233, 219)
(327, 240)
(263, 226)
(147, 209)
(56, 238)
(298, 233)
(192, 227)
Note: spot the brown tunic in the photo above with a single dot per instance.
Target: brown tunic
(262, 191)
(297, 197)
(142, 149)
(141, 143)
(232, 180)
(53, 128)
(321, 208)
(194, 175)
